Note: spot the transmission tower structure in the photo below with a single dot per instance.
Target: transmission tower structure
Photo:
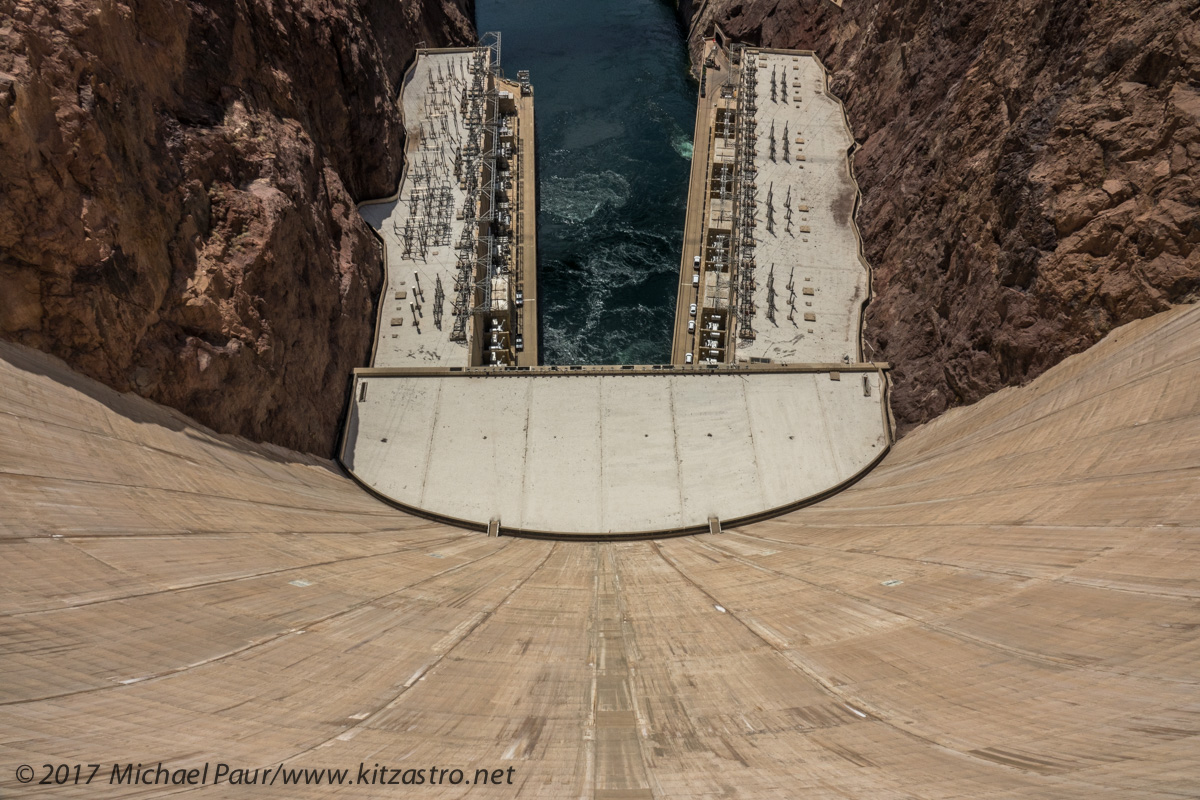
(491, 262)
(745, 173)
(490, 42)
(472, 98)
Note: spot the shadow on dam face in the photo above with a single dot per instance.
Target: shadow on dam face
(1006, 607)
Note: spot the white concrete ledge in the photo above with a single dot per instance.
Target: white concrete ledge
(610, 453)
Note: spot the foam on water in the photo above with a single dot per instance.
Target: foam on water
(683, 145)
(579, 198)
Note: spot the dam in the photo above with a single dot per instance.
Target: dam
(1005, 607)
(788, 415)
(1004, 603)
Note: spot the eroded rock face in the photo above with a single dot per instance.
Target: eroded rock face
(177, 194)
(1030, 172)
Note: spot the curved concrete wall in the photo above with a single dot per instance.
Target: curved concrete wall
(1007, 607)
(609, 452)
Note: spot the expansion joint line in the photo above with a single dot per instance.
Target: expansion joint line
(303, 626)
(945, 630)
(1013, 573)
(859, 708)
(221, 581)
(422, 674)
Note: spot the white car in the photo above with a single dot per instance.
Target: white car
(691, 326)
(696, 263)
(687, 359)
(693, 310)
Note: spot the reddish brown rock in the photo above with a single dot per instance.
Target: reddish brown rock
(1030, 172)
(177, 194)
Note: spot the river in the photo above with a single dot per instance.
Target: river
(614, 105)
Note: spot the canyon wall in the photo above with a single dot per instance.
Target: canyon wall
(177, 194)
(1029, 172)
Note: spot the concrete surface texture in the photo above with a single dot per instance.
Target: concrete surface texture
(1005, 608)
(809, 268)
(583, 453)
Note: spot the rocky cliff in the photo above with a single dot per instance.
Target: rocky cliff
(177, 194)
(1030, 172)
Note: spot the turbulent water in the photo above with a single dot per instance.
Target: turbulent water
(614, 107)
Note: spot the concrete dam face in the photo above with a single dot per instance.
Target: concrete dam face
(1006, 606)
